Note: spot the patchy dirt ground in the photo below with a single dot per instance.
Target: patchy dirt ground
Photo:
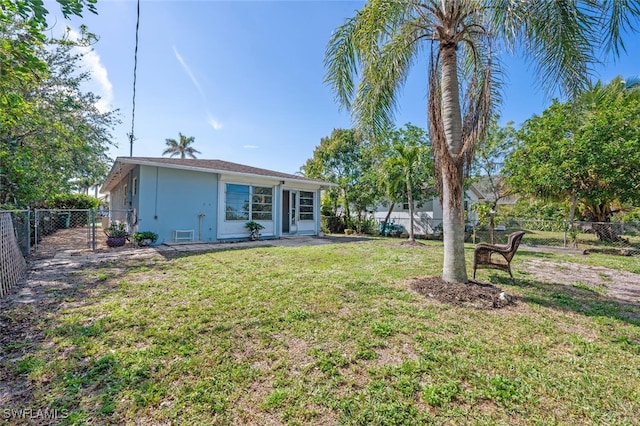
(621, 285)
(610, 283)
(474, 294)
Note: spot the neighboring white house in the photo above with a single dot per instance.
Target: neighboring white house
(488, 192)
(428, 215)
(210, 200)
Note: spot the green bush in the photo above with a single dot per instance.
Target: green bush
(73, 201)
(365, 226)
(140, 237)
(631, 215)
(332, 224)
(536, 210)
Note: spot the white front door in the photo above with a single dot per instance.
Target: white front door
(293, 211)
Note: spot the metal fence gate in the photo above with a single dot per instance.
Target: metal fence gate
(56, 230)
(73, 229)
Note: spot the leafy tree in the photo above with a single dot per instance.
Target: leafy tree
(181, 147)
(407, 169)
(487, 169)
(22, 26)
(59, 136)
(369, 57)
(390, 180)
(587, 150)
(345, 159)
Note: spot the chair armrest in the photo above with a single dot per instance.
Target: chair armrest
(493, 247)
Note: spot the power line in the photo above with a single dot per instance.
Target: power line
(135, 71)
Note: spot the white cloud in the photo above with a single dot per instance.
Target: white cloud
(188, 70)
(213, 122)
(250, 146)
(99, 75)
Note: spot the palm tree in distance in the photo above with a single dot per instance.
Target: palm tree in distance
(369, 57)
(181, 147)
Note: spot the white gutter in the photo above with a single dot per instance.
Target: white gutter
(125, 160)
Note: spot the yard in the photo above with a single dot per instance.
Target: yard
(327, 334)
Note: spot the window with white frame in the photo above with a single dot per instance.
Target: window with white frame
(135, 186)
(261, 203)
(237, 202)
(245, 202)
(306, 205)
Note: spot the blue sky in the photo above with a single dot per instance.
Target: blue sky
(245, 78)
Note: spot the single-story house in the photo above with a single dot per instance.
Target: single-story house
(489, 192)
(427, 216)
(185, 200)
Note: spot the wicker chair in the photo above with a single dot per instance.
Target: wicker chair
(483, 256)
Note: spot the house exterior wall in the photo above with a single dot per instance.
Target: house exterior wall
(308, 227)
(235, 229)
(173, 199)
(119, 201)
(166, 200)
(427, 217)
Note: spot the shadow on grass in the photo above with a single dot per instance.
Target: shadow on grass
(570, 298)
(31, 316)
(202, 248)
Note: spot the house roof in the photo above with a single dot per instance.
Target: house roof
(123, 165)
(486, 191)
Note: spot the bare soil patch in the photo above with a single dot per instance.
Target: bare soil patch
(621, 285)
(414, 243)
(472, 294)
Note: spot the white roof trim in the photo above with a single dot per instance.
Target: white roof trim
(132, 162)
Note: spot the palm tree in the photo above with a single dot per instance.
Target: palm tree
(406, 159)
(369, 57)
(406, 169)
(181, 147)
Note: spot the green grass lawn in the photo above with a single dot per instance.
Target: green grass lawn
(329, 335)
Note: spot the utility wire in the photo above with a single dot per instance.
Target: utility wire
(135, 70)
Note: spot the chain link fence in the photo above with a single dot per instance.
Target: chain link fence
(620, 238)
(48, 231)
(12, 263)
(59, 229)
(21, 220)
(604, 237)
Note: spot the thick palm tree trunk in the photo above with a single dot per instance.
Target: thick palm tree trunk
(454, 267)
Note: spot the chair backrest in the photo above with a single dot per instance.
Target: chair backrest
(513, 243)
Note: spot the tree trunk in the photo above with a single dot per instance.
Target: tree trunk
(412, 236)
(572, 207)
(454, 267)
(346, 209)
(386, 219)
(492, 222)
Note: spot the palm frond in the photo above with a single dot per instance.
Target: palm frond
(376, 101)
(376, 45)
(559, 38)
(341, 62)
(617, 17)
